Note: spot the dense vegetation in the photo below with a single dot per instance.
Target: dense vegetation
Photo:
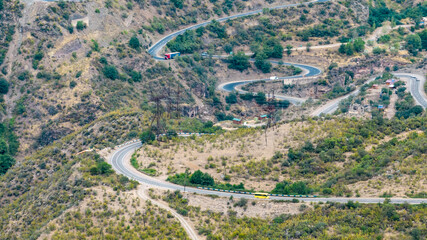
(325, 221)
(200, 179)
(313, 158)
(265, 39)
(380, 13)
(9, 145)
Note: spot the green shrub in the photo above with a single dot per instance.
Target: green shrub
(110, 71)
(80, 25)
(6, 162)
(134, 42)
(4, 86)
(102, 168)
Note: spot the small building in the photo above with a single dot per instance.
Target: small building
(391, 86)
(263, 116)
(375, 86)
(380, 107)
(390, 81)
(237, 121)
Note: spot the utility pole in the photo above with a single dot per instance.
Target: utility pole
(157, 99)
(177, 101)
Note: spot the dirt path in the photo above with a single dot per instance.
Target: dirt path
(391, 110)
(188, 228)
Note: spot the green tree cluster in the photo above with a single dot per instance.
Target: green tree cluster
(147, 136)
(185, 43)
(288, 188)
(238, 61)
(200, 178)
(413, 44)
(350, 48)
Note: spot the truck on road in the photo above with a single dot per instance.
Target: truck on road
(172, 55)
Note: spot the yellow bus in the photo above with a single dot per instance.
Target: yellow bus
(261, 195)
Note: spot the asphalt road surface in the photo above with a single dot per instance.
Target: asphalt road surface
(120, 160)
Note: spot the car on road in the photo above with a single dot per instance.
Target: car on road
(273, 78)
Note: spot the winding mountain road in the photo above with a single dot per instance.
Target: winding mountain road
(121, 157)
(311, 71)
(416, 81)
(120, 160)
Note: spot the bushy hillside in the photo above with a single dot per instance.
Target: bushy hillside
(342, 157)
(64, 192)
(323, 221)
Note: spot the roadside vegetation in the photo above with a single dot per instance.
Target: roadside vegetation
(323, 221)
(323, 158)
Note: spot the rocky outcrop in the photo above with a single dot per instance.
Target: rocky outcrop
(360, 9)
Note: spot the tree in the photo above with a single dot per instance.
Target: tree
(260, 98)
(308, 47)
(147, 136)
(6, 162)
(413, 44)
(134, 42)
(342, 49)
(286, 187)
(4, 86)
(3, 147)
(198, 177)
(359, 45)
(238, 61)
(101, 168)
(423, 37)
(95, 45)
(228, 48)
(277, 51)
(289, 49)
(262, 64)
(178, 3)
(80, 25)
(349, 49)
(231, 98)
(110, 71)
(384, 39)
